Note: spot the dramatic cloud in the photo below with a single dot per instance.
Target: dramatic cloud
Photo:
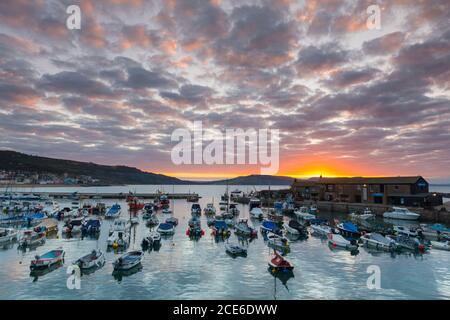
(346, 99)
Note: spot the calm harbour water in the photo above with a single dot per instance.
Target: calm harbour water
(186, 269)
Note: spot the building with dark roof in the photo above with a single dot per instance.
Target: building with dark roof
(404, 191)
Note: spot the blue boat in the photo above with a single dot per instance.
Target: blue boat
(91, 226)
(270, 226)
(440, 227)
(113, 212)
(166, 228)
(220, 228)
(349, 230)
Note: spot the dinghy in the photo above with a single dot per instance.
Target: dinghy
(304, 214)
(295, 228)
(235, 249)
(153, 238)
(47, 260)
(210, 220)
(113, 212)
(166, 229)
(8, 235)
(209, 209)
(280, 264)
(31, 238)
(172, 220)
(348, 230)
(257, 213)
(153, 221)
(278, 243)
(94, 259)
(336, 240)
(73, 226)
(440, 245)
(196, 209)
(378, 241)
(365, 215)
(166, 211)
(242, 228)
(411, 232)
(275, 216)
(408, 243)
(128, 260)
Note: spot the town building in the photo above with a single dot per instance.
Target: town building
(402, 191)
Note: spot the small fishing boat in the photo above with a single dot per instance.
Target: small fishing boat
(128, 260)
(348, 230)
(411, 232)
(278, 242)
(148, 208)
(304, 214)
(235, 249)
(31, 238)
(220, 229)
(192, 198)
(378, 241)
(8, 235)
(134, 220)
(436, 230)
(275, 216)
(401, 213)
(257, 213)
(153, 221)
(167, 211)
(270, 226)
(113, 212)
(242, 228)
(91, 226)
(194, 221)
(365, 215)
(147, 215)
(47, 260)
(73, 226)
(118, 239)
(441, 245)
(195, 232)
(50, 224)
(196, 209)
(209, 209)
(172, 220)
(336, 240)
(153, 238)
(94, 259)
(254, 203)
(295, 228)
(232, 208)
(135, 205)
(408, 243)
(166, 228)
(280, 264)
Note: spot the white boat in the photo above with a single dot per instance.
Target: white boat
(336, 240)
(365, 215)
(120, 225)
(278, 243)
(166, 211)
(94, 259)
(235, 249)
(209, 209)
(378, 241)
(321, 229)
(31, 238)
(128, 260)
(244, 229)
(153, 238)
(409, 231)
(440, 245)
(8, 235)
(303, 213)
(401, 213)
(134, 220)
(257, 213)
(153, 221)
(118, 239)
(313, 209)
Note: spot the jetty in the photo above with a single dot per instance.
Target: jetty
(112, 195)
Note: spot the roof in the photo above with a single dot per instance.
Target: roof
(358, 180)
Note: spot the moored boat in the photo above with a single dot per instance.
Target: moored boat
(94, 259)
(113, 212)
(118, 239)
(295, 228)
(257, 213)
(220, 229)
(336, 240)
(235, 249)
(408, 231)
(166, 228)
(401, 213)
(172, 220)
(378, 241)
(8, 235)
(280, 264)
(278, 243)
(440, 245)
(304, 214)
(348, 230)
(32, 238)
(209, 209)
(270, 226)
(47, 260)
(152, 239)
(365, 215)
(196, 209)
(242, 228)
(128, 260)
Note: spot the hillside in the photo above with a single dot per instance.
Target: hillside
(256, 180)
(15, 161)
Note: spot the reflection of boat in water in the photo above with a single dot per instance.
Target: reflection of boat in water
(37, 273)
(119, 274)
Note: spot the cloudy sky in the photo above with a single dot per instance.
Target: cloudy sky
(347, 100)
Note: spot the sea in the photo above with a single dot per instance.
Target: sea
(201, 269)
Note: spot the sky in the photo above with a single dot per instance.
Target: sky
(347, 100)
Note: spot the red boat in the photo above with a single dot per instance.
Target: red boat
(135, 205)
(278, 263)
